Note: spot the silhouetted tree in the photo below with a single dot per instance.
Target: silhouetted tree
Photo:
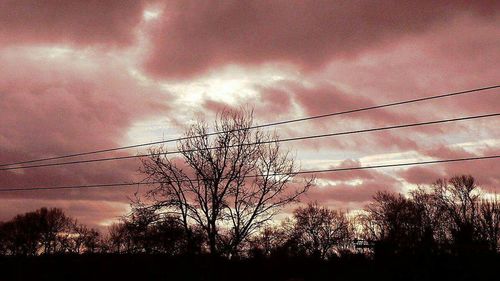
(22, 234)
(275, 240)
(46, 231)
(83, 240)
(321, 231)
(489, 222)
(139, 227)
(143, 231)
(458, 199)
(432, 230)
(229, 185)
(119, 240)
(448, 216)
(3, 240)
(399, 224)
(54, 227)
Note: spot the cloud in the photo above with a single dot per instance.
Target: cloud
(70, 22)
(325, 98)
(347, 196)
(485, 171)
(93, 213)
(65, 104)
(350, 188)
(194, 37)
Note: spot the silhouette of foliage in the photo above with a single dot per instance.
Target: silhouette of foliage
(320, 231)
(143, 231)
(229, 185)
(449, 230)
(46, 231)
(447, 217)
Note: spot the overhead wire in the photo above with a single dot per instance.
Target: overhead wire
(253, 176)
(258, 126)
(261, 142)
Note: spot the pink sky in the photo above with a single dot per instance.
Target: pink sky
(87, 75)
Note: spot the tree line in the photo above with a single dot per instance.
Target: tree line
(220, 191)
(448, 217)
(47, 231)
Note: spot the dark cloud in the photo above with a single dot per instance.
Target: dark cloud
(64, 105)
(74, 22)
(485, 171)
(194, 37)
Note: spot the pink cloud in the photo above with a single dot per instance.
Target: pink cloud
(345, 196)
(326, 98)
(89, 212)
(216, 106)
(452, 57)
(485, 171)
(349, 175)
(57, 106)
(274, 102)
(419, 175)
(74, 22)
(343, 192)
(194, 37)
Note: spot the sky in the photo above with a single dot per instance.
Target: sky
(86, 75)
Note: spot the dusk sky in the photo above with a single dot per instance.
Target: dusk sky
(78, 76)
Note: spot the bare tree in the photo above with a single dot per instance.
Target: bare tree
(458, 199)
(322, 231)
(229, 184)
(82, 240)
(489, 222)
(3, 239)
(133, 234)
(399, 224)
(21, 235)
(44, 231)
(119, 239)
(273, 239)
(54, 227)
(450, 216)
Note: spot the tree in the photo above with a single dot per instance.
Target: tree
(321, 231)
(21, 235)
(489, 222)
(44, 231)
(229, 183)
(400, 225)
(83, 240)
(3, 240)
(139, 228)
(54, 227)
(275, 240)
(118, 240)
(458, 199)
(133, 234)
(450, 216)
(142, 231)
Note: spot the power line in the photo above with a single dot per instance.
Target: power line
(253, 176)
(260, 126)
(262, 142)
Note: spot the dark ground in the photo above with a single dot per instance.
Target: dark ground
(155, 267)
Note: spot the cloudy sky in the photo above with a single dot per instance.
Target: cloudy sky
(85, 75)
